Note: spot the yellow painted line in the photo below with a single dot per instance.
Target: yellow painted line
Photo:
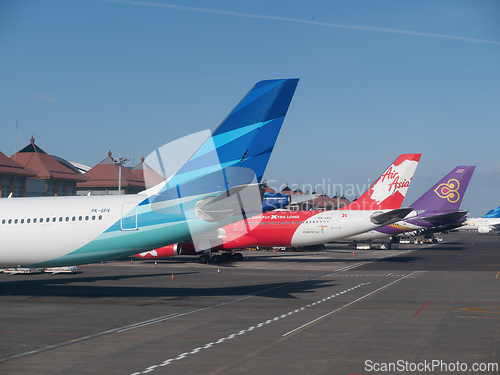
(487, 309)
(497, 275)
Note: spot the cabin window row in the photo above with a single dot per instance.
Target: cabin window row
(49, 220)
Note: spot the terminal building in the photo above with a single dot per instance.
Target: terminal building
(13, 177)
(102, 179)
(43, 175)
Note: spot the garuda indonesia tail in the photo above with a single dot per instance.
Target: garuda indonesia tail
(493, 213)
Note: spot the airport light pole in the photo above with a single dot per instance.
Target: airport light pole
(120, 161)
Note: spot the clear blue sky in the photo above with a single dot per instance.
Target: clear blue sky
(378, 78)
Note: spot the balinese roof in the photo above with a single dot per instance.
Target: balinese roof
(9, 166)
(286, 190)
(147, 174)
(267, 188)
(44, 165)
(106, 173)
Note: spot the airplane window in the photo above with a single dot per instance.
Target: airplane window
(60, 218)
(93, 217)
(28, 221)
(54, 219)
(34, 220)
(10, 221)
(3, 221)
(100, 217)
(22, 221)
(79, 218)
(73, 218)
(47, 220)
(67, 218)
(15, 221)
(86, 217)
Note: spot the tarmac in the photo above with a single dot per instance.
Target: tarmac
(431, 308)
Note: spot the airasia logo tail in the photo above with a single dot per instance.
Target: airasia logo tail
(395, 179)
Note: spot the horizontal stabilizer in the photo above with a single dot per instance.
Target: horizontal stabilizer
(450, 216)
(390, 216)
(243, 200)
(435, 229)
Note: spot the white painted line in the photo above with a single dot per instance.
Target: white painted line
(348, 304)
(196, 350)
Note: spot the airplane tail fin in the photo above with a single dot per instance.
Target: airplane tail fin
(246, 137)
(237, 152)
(447, 194)
(389, 190)
(493, 213)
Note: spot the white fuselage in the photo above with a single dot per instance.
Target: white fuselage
(481, 224)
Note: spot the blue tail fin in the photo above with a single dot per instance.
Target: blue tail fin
(493, 213)
(239, 149)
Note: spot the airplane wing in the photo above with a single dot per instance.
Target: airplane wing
(435, 229)
(390, 216)
(451, 216)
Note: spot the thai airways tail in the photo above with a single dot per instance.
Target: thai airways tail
(389, 190)
(447, 194)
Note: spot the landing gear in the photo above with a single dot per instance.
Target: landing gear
(237, 257)
(203, 259)
(218, 258)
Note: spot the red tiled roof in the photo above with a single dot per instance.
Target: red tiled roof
(147, 174)
(267, 188)
(9, 166)
(44, 165)
(286, 191)
(105, 174)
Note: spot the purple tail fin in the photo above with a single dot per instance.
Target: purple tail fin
(447, 194)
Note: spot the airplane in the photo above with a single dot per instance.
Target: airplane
(436, 211)
(481, 224)
(219, 184)
(379, 205)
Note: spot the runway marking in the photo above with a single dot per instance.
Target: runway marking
(343, 307)
(487, 309)
(249, 329)
(423, 307)
(62, 334)
(497, 275)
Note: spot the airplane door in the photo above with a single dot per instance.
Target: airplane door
(238, 226)
(129, 216)
(335, 219)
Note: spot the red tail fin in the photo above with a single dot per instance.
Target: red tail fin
(390, 188)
